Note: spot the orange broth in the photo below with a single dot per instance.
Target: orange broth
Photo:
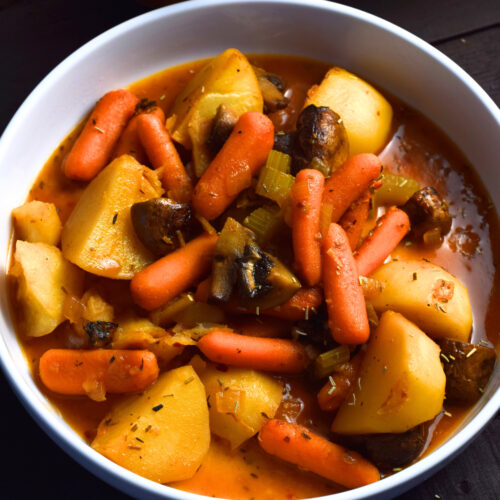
(415, 148)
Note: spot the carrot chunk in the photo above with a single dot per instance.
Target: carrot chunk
(258, 353)
(346, 185)
(231, 171)
(347, 318)
(391, 228)
(92, 150)
(77, 372)
(306, 196)
(298, 445)
(169, 276)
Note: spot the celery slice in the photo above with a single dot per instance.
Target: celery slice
(326, 362)
(279, 161)
(395, 190)
(263, 222)
(274, 185)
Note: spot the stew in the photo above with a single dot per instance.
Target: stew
(260, 269)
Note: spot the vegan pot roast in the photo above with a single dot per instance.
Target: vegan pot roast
(258, 268)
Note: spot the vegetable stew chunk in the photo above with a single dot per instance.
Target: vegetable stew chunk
(157, 223)
(401, 381)
(162, 434)
(429, 215)
(389, 451)
(468, 368)
(321, 137)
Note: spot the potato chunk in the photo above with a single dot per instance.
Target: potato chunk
(44, 278)
(401, 382)
(162, 434)
(227, 79)
(365, 112)
(37, 222)
(426, 294)
(99, 236)
(240, 400)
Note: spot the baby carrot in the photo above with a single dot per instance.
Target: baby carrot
(77, 372)
(306, 195)
(92, 150)
(346, 185)
(129, 142)
(259, 353)
(169, 276)
(162, 153)
(378, 245)
(298, 445)
(202, 291)
(347, 318)
(300, 306)
(339, 385)
(231, 171)
(354, 218)
(260, 327)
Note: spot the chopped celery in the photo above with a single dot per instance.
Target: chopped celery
(279, 161)
(274, 185)
(263, 222)
(395, 190)
(326, 362)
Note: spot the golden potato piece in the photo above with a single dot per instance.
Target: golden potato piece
(99, 236)
(240, 402)
(44, 278)
(401, 382)
(226, 79)
(365, 112)
(426, 294)
(162, 434)
(37, 222)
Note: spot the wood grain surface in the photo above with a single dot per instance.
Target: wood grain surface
(35, 35)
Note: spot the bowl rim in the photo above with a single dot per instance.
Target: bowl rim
(130, 482)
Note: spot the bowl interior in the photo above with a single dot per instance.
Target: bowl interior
(378, 51)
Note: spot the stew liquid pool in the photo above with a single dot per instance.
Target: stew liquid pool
(103, 313)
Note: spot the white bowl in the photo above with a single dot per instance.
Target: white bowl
(386, 55)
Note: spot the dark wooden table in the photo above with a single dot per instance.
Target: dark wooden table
(35, 35)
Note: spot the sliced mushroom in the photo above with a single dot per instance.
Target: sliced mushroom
(272, 88)
(99, 332)
(230, 246)
(468, 368)
(224, 121)
(429, 216)
(321, 140)
(252, 272)
(157, 223)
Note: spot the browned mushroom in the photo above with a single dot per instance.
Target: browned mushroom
(321, 140)
(223, 123)
(429, 216)
(389, 451)
(272, 88)
(468, 368)
(157, 223)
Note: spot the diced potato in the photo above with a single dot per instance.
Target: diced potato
(44, 278)
(99, 236)
(365, 112)
(37, 222)
(140, 333)
(162, 434)
(401, 382)
(227, 79)
(239, 401)
(426, 294)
